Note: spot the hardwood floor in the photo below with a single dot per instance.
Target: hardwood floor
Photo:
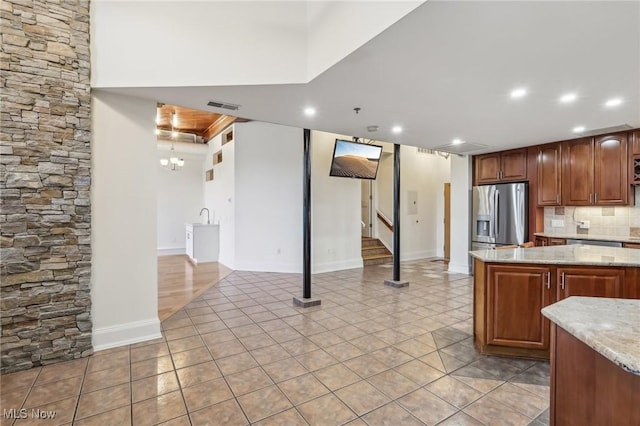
(180, 281)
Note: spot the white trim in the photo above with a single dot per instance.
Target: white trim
(319, 268)
(171, 251)
(285, 267)
(126, 334)
(417, 255)
(459, 268)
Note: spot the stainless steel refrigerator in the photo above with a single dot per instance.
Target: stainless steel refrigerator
(499, 215)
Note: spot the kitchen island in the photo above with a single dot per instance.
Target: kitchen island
(512, 286)
(595, 361)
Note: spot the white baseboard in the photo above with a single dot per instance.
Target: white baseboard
(284, 267)
(318, 268)
(417, 255)
(459, 268)
(171, 251)
(125, 334)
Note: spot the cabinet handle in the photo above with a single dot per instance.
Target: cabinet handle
(562, 280)
(595, 198)
(590, 198)
(498, 176)
(548, 280)
(558, 198)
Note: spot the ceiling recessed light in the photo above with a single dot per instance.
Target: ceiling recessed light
(457, 142)
(309, 111)
(396, 129)
(520, 92)
(578, 129)
(613, 102)
(568, 97)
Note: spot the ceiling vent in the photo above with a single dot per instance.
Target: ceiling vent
(463, 148)
(223, 105)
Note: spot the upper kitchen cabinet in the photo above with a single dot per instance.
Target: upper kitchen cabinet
(611, 183)
(549, 180)
(634, 158)
(595, 171)
(505, 166)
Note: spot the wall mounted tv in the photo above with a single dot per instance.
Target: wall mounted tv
(355, 160)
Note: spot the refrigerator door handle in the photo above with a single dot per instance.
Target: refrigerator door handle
(496, 215)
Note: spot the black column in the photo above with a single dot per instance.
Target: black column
(396, 212)
(306, 216)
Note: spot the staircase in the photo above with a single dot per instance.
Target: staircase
(374, 253)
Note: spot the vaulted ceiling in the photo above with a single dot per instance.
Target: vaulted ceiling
(446, 70)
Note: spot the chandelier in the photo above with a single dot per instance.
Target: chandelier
(173, 162)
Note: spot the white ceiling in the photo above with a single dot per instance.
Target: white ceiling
(445, 71)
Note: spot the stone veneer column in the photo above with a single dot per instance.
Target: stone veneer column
(45, 216)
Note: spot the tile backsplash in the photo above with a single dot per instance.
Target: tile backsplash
(605, 221)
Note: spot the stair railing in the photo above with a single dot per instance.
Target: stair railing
(384, 219)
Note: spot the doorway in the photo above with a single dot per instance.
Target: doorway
(366, 203)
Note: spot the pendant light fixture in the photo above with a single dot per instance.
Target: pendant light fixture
(173, 163)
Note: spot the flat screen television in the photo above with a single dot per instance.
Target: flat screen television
(355, 160)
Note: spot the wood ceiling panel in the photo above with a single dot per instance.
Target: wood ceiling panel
(189, 120)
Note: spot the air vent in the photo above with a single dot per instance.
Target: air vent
(462, 148)
(224, 105)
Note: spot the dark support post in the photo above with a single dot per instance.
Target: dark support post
(396, 221)
(306, 300)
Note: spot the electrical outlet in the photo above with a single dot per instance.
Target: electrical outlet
(557, 223)
(585, 224)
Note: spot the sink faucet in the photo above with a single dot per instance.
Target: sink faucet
(208, 221)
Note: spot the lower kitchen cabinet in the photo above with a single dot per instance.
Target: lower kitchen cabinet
(508, 298)
(594, 282)
(515, 296)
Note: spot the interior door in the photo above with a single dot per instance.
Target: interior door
(366, 206)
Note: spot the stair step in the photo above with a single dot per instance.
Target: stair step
(368, 242)
(376, 259)
(377, 256)
(374, 250)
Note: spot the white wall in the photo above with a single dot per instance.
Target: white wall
(333, 35)
(180, 198)
(268, 193)
(196, 43)
(383, 198)
(460, 205)
(422, 233)
(335, 216)
(123, 219)
(219, 197)
(292, 41)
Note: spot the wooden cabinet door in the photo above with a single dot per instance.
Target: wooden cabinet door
(515, 296)
(514, 165)
(635, 142)
(557, 241)
(487, 168)
(549, 175)
(631, 245)
(610, 172)
(577, 172)
(592, 282)
(540, 241)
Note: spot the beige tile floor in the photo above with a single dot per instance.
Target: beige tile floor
(242, 354)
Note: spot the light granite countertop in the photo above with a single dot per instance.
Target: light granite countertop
(563, 255)
(610, 326)
(589, 237)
